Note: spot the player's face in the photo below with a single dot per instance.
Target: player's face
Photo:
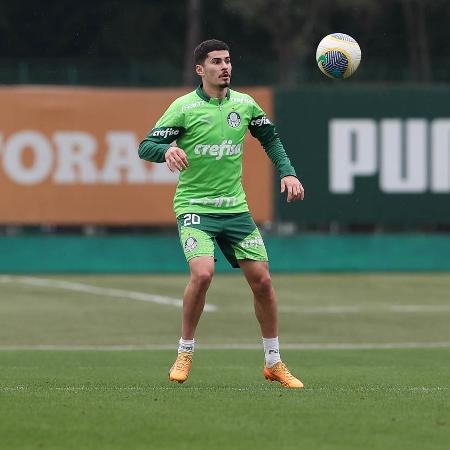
(216, 70)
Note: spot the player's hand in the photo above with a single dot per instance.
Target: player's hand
(293, 187)
(176, 159)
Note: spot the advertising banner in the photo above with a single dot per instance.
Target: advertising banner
(68, 156)
(368, 155)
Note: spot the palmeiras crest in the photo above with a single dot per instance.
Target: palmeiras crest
(234, 119)
(190, 244)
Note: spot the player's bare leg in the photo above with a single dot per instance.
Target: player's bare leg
(258, 277)
(202, 271)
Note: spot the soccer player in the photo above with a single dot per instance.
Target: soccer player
(201, 135)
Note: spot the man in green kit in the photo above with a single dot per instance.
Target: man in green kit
(201, 135)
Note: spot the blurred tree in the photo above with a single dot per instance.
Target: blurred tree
(271, 40)
(142, 29)
(296, 27)
(291, 24)
(193, 32)
(415, 15)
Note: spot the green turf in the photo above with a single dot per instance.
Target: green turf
(41, 315)
(354, 399)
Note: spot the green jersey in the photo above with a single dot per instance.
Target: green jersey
(211, 132)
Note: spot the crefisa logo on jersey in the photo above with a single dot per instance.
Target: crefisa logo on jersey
(165, 132)
(234, 119)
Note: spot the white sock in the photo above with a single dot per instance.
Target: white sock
(186, 345)
(271, 351)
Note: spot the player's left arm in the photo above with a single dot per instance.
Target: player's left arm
(293, 187)
(264, 130)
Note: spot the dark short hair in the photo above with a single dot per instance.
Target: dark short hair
(202, 50)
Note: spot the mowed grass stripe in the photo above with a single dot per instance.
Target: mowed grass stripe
(90, 388)
(288, 346)
(115, 400)
(315, 310)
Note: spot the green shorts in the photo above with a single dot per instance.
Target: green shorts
(236, 234)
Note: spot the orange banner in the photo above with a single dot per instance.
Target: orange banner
(69, 156)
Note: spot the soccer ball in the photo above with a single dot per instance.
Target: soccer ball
(338, 55)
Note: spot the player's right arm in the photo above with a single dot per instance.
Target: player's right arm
(176, 159)
(159, 145)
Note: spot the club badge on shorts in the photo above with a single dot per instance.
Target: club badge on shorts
(234, 119)
(190, 244)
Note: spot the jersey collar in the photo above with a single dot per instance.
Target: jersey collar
(204, 96)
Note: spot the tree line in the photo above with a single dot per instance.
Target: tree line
(271, 40)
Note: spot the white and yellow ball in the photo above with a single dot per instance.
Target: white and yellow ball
(338, 55)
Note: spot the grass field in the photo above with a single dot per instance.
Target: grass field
(372, 350)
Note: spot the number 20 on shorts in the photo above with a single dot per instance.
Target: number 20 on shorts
(191, 219)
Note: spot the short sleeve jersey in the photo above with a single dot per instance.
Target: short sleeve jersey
(211, 132)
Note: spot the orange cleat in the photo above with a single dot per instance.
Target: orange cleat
(180, 370)
(279, 372)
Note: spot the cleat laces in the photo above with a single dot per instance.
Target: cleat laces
(184, 360)
(282, 369)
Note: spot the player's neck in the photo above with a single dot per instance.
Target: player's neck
(215, 91)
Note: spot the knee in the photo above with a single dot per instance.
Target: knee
(262, 285)
(202, 278)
